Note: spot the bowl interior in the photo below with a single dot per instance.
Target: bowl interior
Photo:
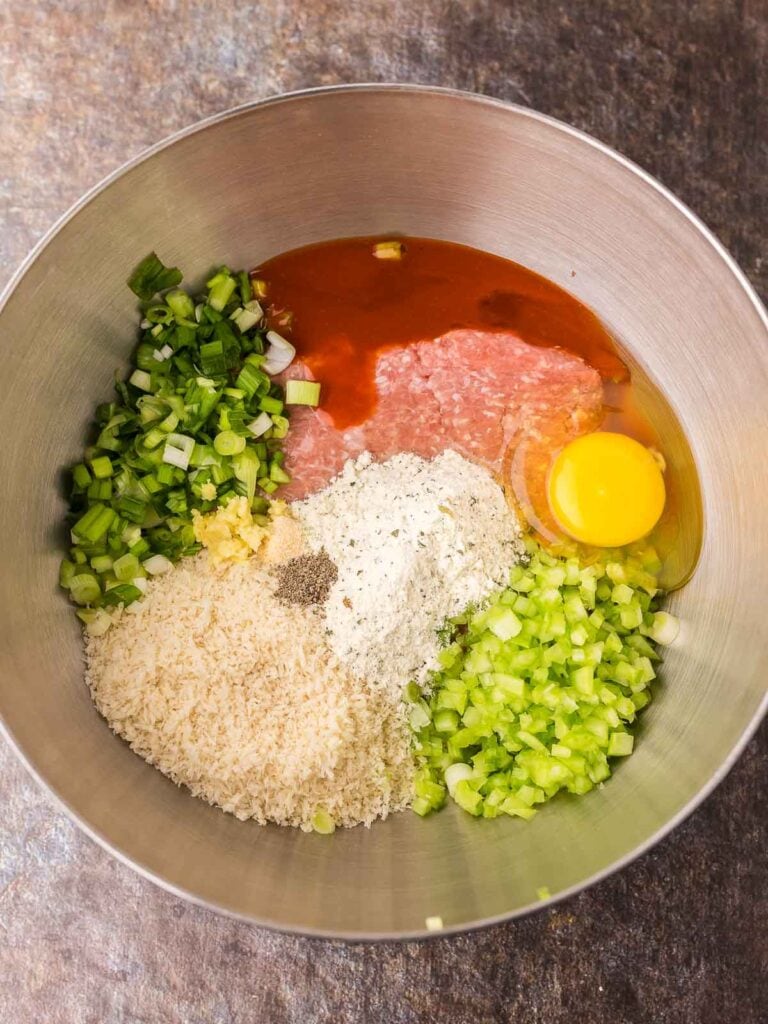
(366, 161)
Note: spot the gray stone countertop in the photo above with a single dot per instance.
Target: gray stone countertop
(678, 937)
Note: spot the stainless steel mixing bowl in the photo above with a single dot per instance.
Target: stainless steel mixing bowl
(365, 160)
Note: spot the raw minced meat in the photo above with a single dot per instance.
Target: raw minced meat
(470, 391)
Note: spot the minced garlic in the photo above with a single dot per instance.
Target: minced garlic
(231, 534)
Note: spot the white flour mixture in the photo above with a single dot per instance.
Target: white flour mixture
(415, 542)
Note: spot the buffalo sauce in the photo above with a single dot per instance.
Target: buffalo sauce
(347, 306)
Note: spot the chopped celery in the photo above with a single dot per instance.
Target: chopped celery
(323, 823)
(664, 628)
(455, 773)
(539, 689)
(620, 744)
(503, 622)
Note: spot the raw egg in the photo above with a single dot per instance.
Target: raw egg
(606, 489)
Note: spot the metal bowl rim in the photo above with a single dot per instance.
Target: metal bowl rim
(464, 97)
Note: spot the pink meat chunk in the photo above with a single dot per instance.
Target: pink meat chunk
(471, 391)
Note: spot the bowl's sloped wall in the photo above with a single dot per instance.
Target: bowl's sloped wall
(350, 162)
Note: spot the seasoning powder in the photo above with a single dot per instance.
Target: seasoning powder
(415, 541)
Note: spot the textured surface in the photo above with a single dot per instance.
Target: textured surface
(680, 936)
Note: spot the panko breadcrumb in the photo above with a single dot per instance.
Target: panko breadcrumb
(236, 695)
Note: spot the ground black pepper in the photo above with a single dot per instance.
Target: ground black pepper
(307, 579)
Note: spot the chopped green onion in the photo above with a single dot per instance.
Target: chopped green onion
(271, 405)
(249, 316)
(141, 380)
(181, 304)
(228, 443)
(212, 357)
(279, 354)
(221, 287)
(279, 428)
(94, 523)
(126, 568)
(102, 563)
(153, 438)
(102, 467)
(84, 588)
(178, 450)
(151, 277)
(121, 593)
(251, 377)
(67, 570)
(169, 424)
(160, 314)
(244, 285)
(260, 425)
(81, 476)
(198, 414)
(245, 465)
(96, 620)
(156, 565)
(302, 392)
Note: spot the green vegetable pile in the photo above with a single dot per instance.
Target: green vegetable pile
(198, 421)
(538, 690)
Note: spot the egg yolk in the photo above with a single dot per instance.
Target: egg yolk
(606, 489)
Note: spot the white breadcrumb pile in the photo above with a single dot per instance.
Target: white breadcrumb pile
(237, 696)
(415, 542)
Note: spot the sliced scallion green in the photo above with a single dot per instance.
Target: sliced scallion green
(228, 443)
(141, 380)
(151, 277)
(302, 392)
(199, 420)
